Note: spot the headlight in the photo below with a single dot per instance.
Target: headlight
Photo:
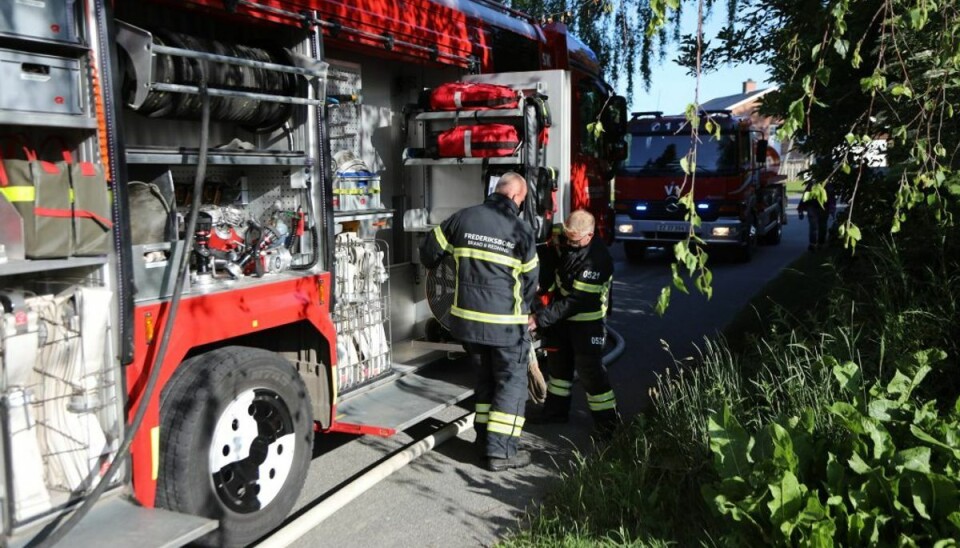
(625, 229)
(721, 231)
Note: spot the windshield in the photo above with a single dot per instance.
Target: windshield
(662, 153)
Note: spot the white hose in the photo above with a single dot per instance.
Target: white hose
(312, 518)
(305, 523)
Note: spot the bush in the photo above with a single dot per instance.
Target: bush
(833, 418)
(889, 474)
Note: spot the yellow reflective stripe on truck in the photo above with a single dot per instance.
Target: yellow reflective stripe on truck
(18, 193)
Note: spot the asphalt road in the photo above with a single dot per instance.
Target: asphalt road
(445, 499)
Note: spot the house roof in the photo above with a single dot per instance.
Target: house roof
(730, 102)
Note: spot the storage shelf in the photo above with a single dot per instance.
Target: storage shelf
(189, 156)
(29, 266)
(46, 45)
(224, 283)
(495, 161)
(14, 118)
(346, 216)
(469, 114)
(357, 176)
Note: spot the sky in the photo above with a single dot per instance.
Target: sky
(672, 89)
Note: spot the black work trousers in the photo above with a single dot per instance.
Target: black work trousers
(501, 396)
(817, 217)
(578, 346)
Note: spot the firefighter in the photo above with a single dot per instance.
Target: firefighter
(573, 326)
(818, 213)
(497, 270)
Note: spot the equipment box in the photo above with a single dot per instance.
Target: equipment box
(39, 83)
(151, 266)
(39, 19)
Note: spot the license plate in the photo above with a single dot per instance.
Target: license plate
(672, 227)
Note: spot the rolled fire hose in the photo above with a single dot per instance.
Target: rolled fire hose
(57, 530)
(299, 527)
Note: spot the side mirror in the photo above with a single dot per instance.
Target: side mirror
(761, 154)
(614, 116)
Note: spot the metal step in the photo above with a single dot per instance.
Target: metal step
(117, 522)
(416, 393)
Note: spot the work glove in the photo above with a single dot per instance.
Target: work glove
(536, 384)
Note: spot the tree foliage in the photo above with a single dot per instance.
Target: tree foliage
(854, 71)
(850, 73)
(630, 37)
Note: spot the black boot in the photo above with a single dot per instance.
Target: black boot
(556, 410)
(605, 425)
(480, 443)
(518, 460)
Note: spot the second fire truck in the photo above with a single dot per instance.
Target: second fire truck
(740, 200)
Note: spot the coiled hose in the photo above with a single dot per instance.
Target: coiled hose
(54, 533)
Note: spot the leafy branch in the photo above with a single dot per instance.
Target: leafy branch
(690, 252)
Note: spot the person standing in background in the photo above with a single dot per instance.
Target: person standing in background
(818, 214)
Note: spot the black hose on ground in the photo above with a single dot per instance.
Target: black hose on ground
(618, 347)
(54, 532)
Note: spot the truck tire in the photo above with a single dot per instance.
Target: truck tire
(236, 438)
(635, 251)
(744, 252)
(774, 235)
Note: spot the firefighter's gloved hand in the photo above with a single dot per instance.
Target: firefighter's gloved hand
(531, 323)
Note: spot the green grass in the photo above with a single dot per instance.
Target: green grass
(874, 311)
(795, 186)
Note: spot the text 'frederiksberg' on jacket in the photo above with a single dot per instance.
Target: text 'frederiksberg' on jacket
(497, 270)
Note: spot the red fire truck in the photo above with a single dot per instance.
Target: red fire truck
(209, 216)
(739, 199)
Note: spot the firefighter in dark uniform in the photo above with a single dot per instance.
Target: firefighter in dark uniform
(572, 325)
(497, 269)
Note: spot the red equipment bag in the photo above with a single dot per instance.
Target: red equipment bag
(464, 96)
(479, 141)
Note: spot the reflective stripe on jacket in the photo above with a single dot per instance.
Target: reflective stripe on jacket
(581, 283)
(497, 268)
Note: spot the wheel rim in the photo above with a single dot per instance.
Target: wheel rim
(251, 453)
